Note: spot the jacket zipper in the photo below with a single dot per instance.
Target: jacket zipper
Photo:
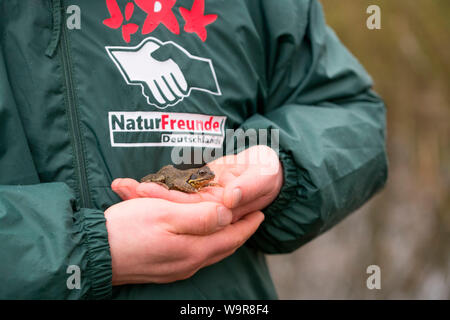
(74, 124)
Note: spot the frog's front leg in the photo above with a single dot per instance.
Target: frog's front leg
(212, 184)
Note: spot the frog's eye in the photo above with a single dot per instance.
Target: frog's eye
(202, 172)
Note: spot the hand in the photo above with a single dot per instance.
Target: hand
(140, 67)
(166, 71)
(157, 241)
(249, 181)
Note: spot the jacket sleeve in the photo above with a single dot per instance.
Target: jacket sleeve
(331, 128)
(42, 232)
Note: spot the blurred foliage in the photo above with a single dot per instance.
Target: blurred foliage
(406, 228)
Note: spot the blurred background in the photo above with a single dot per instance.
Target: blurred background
(405, 229)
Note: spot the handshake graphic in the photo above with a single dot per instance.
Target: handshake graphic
(166, 72)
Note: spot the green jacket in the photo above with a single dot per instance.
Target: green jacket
(81, 107)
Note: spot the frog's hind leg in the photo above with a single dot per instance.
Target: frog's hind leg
(154, 177)
(161, 184)
(160, 179)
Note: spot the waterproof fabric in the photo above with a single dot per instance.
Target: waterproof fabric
(262, 64)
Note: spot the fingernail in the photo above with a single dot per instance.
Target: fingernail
(224, 216)
(237, 195)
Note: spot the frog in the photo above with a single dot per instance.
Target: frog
(188, 181)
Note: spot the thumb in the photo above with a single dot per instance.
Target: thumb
(163, 53)
(245, 188)
(262, 175)
(125, 188)
(190, 66)
(170, 51)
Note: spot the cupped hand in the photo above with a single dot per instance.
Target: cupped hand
(249, 181)
(158, 241)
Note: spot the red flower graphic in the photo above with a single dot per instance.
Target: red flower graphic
(195, 19)
(116, 15)
(158, 12)
(116, 19)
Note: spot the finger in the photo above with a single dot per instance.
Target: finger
(227, 169)
(245, 188)
(172, 85)
(232, 237)
(226, 178)
(149, 92)
(179, 78)
(153, 190)
(125, 188)
(165, 90)
(155, 91)
(196, 218)
(251, 206)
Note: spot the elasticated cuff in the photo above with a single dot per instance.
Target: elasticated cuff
(99, 269)
(288, 190)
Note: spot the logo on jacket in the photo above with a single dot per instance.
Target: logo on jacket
(166, 72)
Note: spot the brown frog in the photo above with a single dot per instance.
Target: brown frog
(189, 181)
